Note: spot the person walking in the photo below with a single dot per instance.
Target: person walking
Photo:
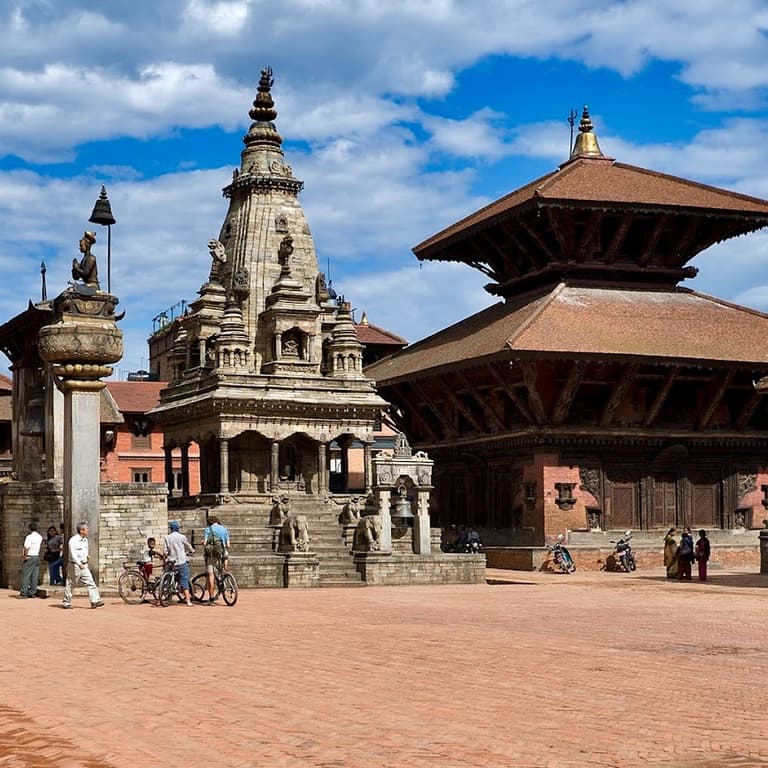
(702, 554)
(216, 549)
(78, 571)
(670, 554)
(176, 548)
(30, 563)
(685, 555)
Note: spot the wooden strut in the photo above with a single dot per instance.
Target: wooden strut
(749, 409)
(653, 240)
(661, 396)
(414, 409)
(484, 403)
(619, 391)
(564, 240)
(448, 428)
(618, 238)
(588, 244)
(530, 377)
(511, 394)
(725, 380)
(527, 253)
(460, 407)
(534, 235)
(568, 392)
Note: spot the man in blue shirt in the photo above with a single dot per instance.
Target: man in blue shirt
(216, 548)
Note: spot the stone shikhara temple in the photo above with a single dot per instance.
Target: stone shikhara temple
(266, 374)
(600, 394)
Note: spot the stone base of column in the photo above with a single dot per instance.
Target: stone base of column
(421, 535)
(301, 569)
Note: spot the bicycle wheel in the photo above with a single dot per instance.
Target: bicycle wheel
(198, 587)
(228, 589)
(132, 586)
(166, 589)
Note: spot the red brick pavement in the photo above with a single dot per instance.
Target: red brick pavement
(548, 670)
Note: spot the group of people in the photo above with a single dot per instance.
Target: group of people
(177, 548)
(680, 556)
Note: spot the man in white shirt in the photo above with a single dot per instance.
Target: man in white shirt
(30, 563)
(78, 571)
(177, 547)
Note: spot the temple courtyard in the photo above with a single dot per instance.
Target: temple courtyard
(531, 669)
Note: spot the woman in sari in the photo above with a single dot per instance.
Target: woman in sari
(670, 554)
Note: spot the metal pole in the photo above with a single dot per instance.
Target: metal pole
(109, 258)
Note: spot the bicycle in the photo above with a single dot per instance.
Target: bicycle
(133, 586)
(226, 586)
(169, 585)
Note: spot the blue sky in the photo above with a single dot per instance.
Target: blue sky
(400, 116)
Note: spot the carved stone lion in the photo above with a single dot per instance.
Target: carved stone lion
(351, 512)
(281, 508)
(294, 535)
(368, 534)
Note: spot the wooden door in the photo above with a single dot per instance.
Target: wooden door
(624, 506)
(664, 501)
(706, 503)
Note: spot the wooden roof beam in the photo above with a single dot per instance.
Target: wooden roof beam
(661, 396)
(530, 372)
(413, 409)
(511, 393)
(460, 407)
(590, 239)
(618, 394)
(564, 238)
(568, 392)
(534, 235)
(723, 383)
(529, 253)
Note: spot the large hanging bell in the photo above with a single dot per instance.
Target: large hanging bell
(401, 506)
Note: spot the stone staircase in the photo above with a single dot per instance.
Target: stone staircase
(252, 536)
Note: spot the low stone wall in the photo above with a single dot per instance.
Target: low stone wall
(398, 569)
(598, 559)
(130, 512)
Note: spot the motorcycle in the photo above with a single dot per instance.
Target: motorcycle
(561, 557)
(622, 553)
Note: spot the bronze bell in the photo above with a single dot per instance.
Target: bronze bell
(401, 507)
(102, 211)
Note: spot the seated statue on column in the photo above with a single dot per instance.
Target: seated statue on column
(86, 269)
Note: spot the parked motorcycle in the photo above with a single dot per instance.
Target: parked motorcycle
(561, 557)
(622, 553)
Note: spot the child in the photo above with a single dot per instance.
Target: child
(146, 558)
(702, 554)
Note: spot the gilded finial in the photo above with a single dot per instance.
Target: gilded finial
(264, 106)
(586, 142)
(364, 318)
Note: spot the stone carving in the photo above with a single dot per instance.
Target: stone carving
(420, 455)
(384, 476)
(281, 508)
(424, 475)
(294, 534)
(351, 512)
(240, 282)
(747, 482)
(321, 289)
(368, 534)
(284, 251)
(86, 269)
(402, 448)
(590, 480)
(740, 518)
(218, 259)
(281, 222)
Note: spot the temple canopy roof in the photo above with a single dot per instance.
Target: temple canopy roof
(663, 326)
(594, 217)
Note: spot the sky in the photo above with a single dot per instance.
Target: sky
(400, 116)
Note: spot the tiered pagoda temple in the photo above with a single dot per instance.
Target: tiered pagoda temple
(600, 394)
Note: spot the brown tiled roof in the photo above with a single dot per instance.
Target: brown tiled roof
(367, 333)
(136, 396)
(664, 325)
(6, 384)
(603, 180)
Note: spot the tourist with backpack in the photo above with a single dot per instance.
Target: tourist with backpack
(216, 549)
(685, 555)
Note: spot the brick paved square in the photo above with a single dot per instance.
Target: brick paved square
(594, 669)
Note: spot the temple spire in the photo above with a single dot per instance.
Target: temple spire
(263, 113)
(586, 142)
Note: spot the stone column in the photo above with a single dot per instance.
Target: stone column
(168, 453)
(77, 344)
(274, 466)
(383, 506)
(421, 540)
(322, 473)
(278, 345)
(54, 430)
(223, 465)
(368, 467)
(185, 469)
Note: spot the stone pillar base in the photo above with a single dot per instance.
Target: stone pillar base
(301, 569)
(369, 566)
